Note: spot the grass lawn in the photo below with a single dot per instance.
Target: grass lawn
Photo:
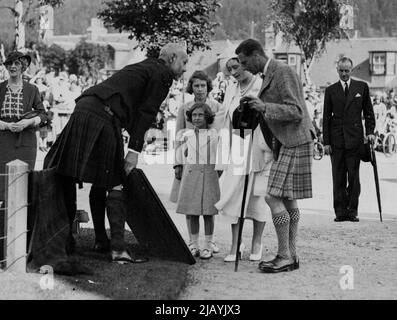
(154, 280)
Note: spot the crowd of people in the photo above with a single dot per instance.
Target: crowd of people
(58, 92)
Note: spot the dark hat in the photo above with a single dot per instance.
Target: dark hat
(16, 55)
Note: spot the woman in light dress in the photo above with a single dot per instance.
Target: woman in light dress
(232, 159)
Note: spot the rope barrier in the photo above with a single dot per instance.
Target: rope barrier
(18, 209)
(16, 238)
(15, 261)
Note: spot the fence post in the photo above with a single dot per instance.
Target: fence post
(16, 214)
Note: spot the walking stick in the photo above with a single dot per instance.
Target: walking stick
(240, 228)
(375, 167)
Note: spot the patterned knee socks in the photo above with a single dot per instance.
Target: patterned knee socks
(293, 229)
(282, 225)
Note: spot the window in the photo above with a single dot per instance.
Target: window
(292, 60)
(282, 57)
(378, 63)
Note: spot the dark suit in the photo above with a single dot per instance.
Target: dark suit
(343, 131)
(90, 147)
(142, 87)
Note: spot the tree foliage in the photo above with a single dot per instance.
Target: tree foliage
(53, 57)
(308, 23)
(29, 17)
(89, 59)
(153, 23)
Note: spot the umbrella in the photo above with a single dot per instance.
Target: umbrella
(375, 167)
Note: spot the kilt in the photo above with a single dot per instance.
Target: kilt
(90, 147)
(291, 175)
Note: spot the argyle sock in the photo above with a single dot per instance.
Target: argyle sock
(293, 229)
(281, 223)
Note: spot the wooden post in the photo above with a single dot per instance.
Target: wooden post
(17, 213)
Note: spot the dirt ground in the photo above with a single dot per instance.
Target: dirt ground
(364, 253)
(369, 247)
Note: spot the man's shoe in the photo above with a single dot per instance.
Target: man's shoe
(123, 257)
(340, 219)
(278, 264)
(353, 219)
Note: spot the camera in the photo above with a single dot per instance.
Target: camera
(245, 118)
(244, 105)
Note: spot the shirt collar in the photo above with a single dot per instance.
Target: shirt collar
(343, 83)
(266, 67)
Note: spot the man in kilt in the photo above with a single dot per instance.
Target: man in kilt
(90, 147)
(282, 105)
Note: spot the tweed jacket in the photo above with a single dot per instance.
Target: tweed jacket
(286, 113)
(142, 88)
(342, 122)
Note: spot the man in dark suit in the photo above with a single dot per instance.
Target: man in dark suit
(343, 134)
(90, 148)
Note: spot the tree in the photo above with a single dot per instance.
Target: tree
(53, 57)
(89, 59)
(153, 23)
(21, 11)
(310, 24)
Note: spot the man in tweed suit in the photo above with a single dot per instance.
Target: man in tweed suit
(90, 148)
(282, 105)
(344, 102)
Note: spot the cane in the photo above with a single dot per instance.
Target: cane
(375, 167)
(240, 229)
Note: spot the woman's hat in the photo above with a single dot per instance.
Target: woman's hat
(16, 55)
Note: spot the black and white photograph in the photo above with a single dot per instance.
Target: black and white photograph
(198, 155)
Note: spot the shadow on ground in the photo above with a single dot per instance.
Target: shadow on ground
(154, 280)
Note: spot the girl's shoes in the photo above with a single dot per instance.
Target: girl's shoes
(232, 257)
(206, 254)
(257, 256)
(214, 247)
(194, 250)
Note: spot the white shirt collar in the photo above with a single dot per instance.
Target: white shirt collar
(266, 66)
(343, 83)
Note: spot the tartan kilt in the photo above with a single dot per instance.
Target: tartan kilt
(291, 175)
(90, 147)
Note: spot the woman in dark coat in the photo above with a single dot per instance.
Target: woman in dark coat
(17, 129)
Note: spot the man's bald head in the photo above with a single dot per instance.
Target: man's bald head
(175, 58)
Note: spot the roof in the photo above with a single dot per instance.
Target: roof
(324, 68)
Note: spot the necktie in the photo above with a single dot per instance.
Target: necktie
(346, 89)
